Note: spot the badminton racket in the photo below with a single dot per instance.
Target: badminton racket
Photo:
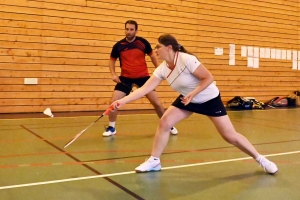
(81, 132)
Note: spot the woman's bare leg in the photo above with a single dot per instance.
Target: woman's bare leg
(227, 131)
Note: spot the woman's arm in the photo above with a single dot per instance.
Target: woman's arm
(205, 78)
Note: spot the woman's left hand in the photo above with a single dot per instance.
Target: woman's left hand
(188, 98)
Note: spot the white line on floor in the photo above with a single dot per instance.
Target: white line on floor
(132, 172)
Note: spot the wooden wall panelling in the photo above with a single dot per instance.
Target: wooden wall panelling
(66, 45)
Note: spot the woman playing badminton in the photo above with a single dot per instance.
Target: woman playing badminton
(185, 74)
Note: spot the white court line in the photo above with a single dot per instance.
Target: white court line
(132, 172)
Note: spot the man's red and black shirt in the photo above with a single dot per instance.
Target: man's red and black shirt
(132, 57)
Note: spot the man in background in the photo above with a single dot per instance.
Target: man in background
(134, 71)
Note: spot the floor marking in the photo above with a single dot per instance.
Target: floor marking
(71, 117)
(216, 149)
(88, 116)
(132, 172)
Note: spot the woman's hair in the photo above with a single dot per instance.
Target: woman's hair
(168, 39)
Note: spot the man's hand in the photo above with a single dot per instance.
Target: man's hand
(116, 79)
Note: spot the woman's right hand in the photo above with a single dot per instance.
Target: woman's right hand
(117, 104)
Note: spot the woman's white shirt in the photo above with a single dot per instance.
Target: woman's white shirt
(182, 80)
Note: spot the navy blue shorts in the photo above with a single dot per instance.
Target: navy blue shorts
(213, 107)
(127, 83)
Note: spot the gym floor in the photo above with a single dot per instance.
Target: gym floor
(197, 163)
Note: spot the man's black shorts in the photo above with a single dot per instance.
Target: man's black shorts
(127, 83)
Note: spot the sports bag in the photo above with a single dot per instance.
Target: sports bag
(278, 102)
(240, 103)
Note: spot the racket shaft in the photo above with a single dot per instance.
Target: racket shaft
(77, 136)
(81, 132)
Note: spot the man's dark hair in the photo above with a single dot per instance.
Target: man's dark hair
(132, 22)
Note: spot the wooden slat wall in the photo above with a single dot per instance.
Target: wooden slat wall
(66, 45)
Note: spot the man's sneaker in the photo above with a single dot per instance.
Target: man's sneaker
(173, 131)
(149, 165)
(268, 166)
(109, 131)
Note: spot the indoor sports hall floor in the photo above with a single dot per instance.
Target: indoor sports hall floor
(197, 163)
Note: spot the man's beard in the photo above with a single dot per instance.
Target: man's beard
(130, 37)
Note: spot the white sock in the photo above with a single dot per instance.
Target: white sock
(154, 158)
(112, 124)
(258, 158)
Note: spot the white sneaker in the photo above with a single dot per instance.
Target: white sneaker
(173, 131)
(109, 131)
(149, 165)
(268, 166)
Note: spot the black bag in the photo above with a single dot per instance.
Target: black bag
(291, 101)
(240, 103)
(256, 104)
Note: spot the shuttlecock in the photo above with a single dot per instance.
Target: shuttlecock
(48, 112)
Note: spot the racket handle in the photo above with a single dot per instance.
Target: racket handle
(110, 108)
